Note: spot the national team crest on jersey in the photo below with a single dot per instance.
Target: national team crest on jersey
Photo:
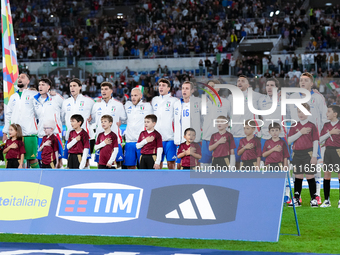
(27, 100)
(312, 100)
(168, 104)
(142, 108)
(81, 103)
(113, 108)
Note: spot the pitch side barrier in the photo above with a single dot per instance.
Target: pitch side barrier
(142, 203)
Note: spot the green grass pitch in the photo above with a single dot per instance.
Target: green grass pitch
(320, 233)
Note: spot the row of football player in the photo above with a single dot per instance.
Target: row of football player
(168, 110)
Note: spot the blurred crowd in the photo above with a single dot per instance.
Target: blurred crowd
(325, 29)
(58, 29)
(50, 29)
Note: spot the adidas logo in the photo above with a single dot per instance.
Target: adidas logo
(188, 211)
(174, 157)
(99, 109)
(69, 105)
(120, 157)
(193, 204)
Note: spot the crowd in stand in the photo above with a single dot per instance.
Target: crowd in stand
(176, 28)
(50, 29)
(325, 29)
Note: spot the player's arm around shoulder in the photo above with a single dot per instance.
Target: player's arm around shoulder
(148, 108)
(153, 102)
(31, 92)
(121, 109)
(226, 104)
(59, 100)
(127, 105)
(177, 107)
(175, 99)
(261, 100)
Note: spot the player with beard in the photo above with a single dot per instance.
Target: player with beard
(237, 130)
(135, 110)
(213, 112)
(20, 110)
(265, 103)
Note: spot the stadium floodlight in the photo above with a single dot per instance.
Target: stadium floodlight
(271, 14)
(17, 38)
(328, 4)
(266, 53)
(119, 15)
(277, 12)
(51, 15)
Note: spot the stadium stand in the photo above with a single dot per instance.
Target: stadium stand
(47, 30)
(51, 29)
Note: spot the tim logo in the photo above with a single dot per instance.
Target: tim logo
(193, 204)
(99, 202)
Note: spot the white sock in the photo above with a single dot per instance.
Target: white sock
(318, 180)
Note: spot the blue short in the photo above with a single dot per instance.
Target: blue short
(290, 154)
(65, 152)
(178, 160)
(237, 143)
(169, 151)
(60, 147)
(319, 152)
(263, 141)
(131, 154)
(206, 154)
(120, 156)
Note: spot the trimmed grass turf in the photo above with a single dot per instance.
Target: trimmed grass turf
(320, 233)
